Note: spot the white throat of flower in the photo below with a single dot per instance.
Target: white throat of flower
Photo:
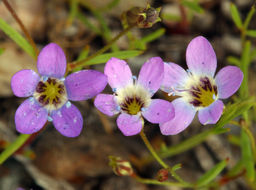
(198, 90)
(133, 98)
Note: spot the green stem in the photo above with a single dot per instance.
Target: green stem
(12, 148)
(159, 160)
(164, 183)
(80, 63)
(152, 151)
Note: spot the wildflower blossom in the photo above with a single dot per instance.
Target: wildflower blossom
(50, 93)
(198, 89)
(132, 97)
(120, 167)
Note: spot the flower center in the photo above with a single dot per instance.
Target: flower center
(204, 93)
(132, 105)
(133, 98)
(51, 93)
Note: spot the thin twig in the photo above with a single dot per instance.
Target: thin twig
(75, 64)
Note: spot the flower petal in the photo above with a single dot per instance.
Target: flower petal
(118, 73)
(30, 117)
(24, 82)
(228, 81)
(159, 111)
(106, 104)
(174, 76)
(129, 124)
(151, 74)
(85, 84)
(68, 120)
(212, 113)
(184, 114)
(52, 61)
(200, 56)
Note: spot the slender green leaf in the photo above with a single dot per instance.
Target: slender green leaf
(233, 139)
(17, 38)
(83, 54)
(234, 110)
(211, 174)
(176, 167)
(103, 58)
(141, 44)
(190, 143)
(233, 60)
(13, 147)
(249, 17)
(1, 51)
(247, 156)
(73, 10)
(235, 16)
(251, 33)
(245, 62)
(235, 170)
(194, 6)
(153, 36)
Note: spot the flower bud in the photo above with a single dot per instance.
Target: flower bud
(143, 17)
(120, 167)
(162, 175)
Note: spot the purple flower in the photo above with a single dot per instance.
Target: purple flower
(50, 93)
(132, 97)
(198, 89)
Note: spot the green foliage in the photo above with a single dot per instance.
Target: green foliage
(190, 142)
(247, 156)
(251, 33)
(103, 58)
(141, 44)
(211, 174)
(249, 17)
(73, 10)
(245, 62)
(234, 110)
(233, 60)
(192, 5)
(235, 16)
(17, 38)
(1, 51)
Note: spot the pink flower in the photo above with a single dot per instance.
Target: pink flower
(49, 94)
(198, 89)
(132, 97)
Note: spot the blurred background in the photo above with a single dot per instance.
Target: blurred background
(52, 161)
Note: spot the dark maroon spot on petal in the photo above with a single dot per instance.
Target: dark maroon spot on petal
(56, 101)
(215, 89)
(40, 87)
(195, 94)
(196, 103)
(42, 100)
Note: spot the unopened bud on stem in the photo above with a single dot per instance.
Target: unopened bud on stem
(120, 167)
